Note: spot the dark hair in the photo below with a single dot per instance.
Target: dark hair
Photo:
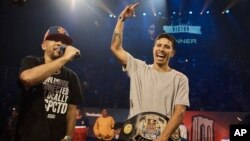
(169, 37)
(102, 108)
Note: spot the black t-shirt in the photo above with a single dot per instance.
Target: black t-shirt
(44, 106)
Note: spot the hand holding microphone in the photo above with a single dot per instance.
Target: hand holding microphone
(70, 52)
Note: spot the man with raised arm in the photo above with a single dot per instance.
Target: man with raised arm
(153, 87)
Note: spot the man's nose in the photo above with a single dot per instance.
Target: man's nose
(161, 48)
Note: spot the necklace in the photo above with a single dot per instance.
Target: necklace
(58, 72)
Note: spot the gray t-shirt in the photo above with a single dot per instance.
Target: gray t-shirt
(153, 91)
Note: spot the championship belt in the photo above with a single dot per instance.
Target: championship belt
(146, 126)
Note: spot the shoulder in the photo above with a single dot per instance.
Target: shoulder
(132, 58)
(180, 74)
(69, 71)
(32, 60)
(30, 57)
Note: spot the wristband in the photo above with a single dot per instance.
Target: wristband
(68, 138)
(122, 18)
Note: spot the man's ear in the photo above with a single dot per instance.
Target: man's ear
(173, 54)
(43, 45)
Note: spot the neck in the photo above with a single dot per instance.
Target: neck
(47, 59)
(105, 116)
(162, 68)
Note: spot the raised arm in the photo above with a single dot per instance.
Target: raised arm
(116, 45)
(36, 75)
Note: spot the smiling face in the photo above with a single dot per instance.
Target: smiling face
(52, 49)
(163, 51)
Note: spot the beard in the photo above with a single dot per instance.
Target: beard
(56, 54)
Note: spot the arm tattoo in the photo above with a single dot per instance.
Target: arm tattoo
(116, 36)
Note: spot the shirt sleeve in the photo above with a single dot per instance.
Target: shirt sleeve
(96, 128)
(183, 92)
(112, 131)
(132, 65)
(76, 92)
(27, 62)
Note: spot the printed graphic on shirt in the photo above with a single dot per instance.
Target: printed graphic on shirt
(56, 95)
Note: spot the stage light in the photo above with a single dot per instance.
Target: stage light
(159, 13)
(225, 11)
(201, 13)
(208, 12)
(190, 12)
(144, 14)
(114, 16)
(155, 14)
(174, 13)
(110, 15)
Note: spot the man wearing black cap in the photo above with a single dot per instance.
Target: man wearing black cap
(50, 91)
(156, 87)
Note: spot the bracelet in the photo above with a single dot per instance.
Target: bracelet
(68, 138)
(122, 18)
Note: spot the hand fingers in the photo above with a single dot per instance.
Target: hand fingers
(135, 5)
(132, 8)
(126, 8)
(129, 10)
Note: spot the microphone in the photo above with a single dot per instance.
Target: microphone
(77, 55)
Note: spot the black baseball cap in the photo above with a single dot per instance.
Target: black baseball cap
(58, 33)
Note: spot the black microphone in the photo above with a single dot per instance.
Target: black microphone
(77, 55)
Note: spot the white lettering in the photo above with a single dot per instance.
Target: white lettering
(65, 91)
(239, 132)
(56, 107)
(186, 41)
(92, 114)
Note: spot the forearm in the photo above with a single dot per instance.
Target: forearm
(116, 45)
(118, 35)
(71, 120)
(38, 74)
(174, 121)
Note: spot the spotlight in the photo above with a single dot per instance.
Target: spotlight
(201, 13)
(114, 16)
(110, 15)
(227, 11)
(190, 12)
(208, 12)
(159, 13)
(174, 13)
(144, 14)
(155, 14)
